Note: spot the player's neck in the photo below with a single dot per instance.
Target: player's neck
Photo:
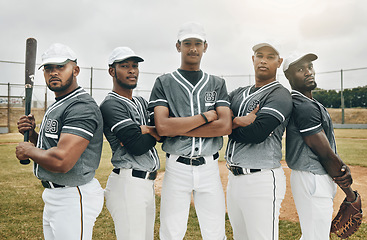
(190, 67)
(128, 93)
(308, 94)
(262, 82)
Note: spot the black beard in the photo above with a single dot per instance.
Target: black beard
(312, 87)
(124, 85)
(62, 87)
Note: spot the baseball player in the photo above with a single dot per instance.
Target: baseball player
(311, 152)
(191, 109)
(130, 187)
(256, 182)
(67, 150)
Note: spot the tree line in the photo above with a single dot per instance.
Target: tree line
(355, 97)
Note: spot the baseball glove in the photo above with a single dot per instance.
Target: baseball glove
(348, 219)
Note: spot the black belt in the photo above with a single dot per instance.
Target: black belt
(48, 184)
(193, 161)
(139, 174)
(239, 171)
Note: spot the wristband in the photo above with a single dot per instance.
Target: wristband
(203, 115)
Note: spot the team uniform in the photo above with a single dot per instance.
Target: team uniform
(257, 184)
(129, 191)
(312, 188)
(73, 200)
(191, 163)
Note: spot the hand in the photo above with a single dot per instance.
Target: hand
(211, 115)
(345, 180)
(22, 148)
(244, 121)
(26, 123)
(150, 130)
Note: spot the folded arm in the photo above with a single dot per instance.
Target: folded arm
(179, 126)
(219, 127)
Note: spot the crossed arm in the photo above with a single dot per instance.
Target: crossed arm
(219, 123)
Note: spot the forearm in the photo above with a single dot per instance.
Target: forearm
(333, 165)
(256, 132)
(331, 162)
(220, 127)
(33, 138)
(178, 126)
(53, 159)
(136, 140)
(140, 145)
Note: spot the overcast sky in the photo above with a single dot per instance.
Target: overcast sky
(336, 30)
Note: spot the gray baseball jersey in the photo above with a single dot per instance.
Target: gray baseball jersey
(120, 112)
(273, 99)
(308, 117)
(183, 99)
(76, 113)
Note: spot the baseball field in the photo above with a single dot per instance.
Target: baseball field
(21, 204)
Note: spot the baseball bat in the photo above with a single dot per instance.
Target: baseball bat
(30, 67)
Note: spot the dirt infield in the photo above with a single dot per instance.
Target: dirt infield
(288, 210)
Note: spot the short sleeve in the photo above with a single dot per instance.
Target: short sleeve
(278, 104)
(82, 119)
(157, 96)
(223, 98)
(307, 118)
(115, 116)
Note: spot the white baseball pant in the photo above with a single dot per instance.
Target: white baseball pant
(131, 202)
(253, 204)
(179, 182)
(70, 212)
(313, 195)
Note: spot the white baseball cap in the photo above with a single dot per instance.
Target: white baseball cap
(260, 45)
(58, 54)
(296, 57)
(120, 54)
(191, 30)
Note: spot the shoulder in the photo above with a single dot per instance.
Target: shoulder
(165, 77)
(141, 99)
(305, 108)
(302, 103)
(113, 103)
(83, 99)
(214, 77)
(279, 89)
(238, 91)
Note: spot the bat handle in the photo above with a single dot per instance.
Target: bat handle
(25, 162)
(26, 138)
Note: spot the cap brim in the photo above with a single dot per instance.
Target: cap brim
(55, 61)
(261, 45)
(137, 58)
(309, 56)
(187, 36)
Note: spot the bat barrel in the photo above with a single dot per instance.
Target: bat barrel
(30, 68)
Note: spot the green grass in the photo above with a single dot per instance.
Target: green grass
(21, 204)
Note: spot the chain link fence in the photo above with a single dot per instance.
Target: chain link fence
(97, 82)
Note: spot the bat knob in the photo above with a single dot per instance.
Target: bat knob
(25, 162)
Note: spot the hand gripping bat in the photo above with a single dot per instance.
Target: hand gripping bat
(30, 66)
